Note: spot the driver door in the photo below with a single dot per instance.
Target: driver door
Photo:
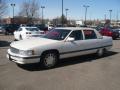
(73, 48)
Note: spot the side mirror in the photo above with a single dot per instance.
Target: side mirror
(70, 39)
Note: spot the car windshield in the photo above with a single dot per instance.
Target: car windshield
(57, 34)
(32, 29)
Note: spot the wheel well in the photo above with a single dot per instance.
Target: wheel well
(105, 50)
(52, 50)
(20, 35)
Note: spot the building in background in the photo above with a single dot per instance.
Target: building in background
(79, 22)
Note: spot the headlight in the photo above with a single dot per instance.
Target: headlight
(27, 52)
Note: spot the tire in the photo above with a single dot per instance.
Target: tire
(15, 40)
(114, 38)
(49, 59)
(100, 52)
(20, 37)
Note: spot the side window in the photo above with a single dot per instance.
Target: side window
(89, 34)
(77, 35)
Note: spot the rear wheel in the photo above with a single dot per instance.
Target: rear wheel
(20, 37)
(100, 52)
(15, 40)
(49, 59)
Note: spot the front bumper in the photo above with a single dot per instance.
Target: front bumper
(23, 60)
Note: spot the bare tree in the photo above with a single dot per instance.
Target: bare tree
(29, 9)
(3, 8)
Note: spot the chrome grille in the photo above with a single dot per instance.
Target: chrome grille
(14, 50)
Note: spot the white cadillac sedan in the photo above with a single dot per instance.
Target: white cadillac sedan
(27, 32)
(57, 44)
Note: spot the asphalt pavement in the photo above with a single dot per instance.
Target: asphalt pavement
(79, 73)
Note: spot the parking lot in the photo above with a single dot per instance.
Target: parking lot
(78, 73)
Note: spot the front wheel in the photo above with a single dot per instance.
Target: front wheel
(49, 59)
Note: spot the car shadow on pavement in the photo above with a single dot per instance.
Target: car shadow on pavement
(68, 61)
(84, 58)
(117, 39)
(4, 43)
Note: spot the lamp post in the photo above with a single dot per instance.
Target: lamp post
(110, 14)
(42, 14)
(105, 17)
(86, 6)
(62, 12)
(66, 12)
(117, 19)
(13, 5)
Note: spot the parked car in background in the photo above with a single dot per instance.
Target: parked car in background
(50, 26)
(59, 25)
(10, 28)
(2, 30)
(42, 27)
(117, 30)
(109, 32)
(27, 32)
(83, 25)
(57, 44)
(93, 26)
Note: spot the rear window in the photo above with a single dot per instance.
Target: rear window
(89, 34)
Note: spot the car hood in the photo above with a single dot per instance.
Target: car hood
(31, 43)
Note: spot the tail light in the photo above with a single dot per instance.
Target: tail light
(28, 32)
(109, 33)
(42, 32)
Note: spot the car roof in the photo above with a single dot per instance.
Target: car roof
(74, 28)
